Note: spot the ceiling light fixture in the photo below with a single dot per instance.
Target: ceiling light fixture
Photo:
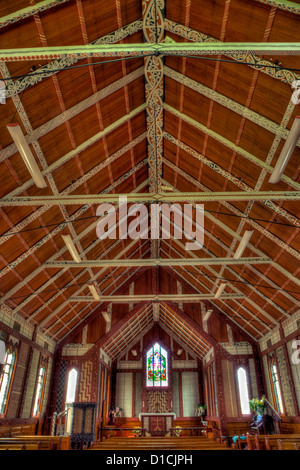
(94, 292)
(134, 352)
(207, 315)
(26, 154)
(71, 247)
(179, 352)
(286, 152)
(243, 243)
(220, 290)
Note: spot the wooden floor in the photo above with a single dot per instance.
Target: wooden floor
(158, 443)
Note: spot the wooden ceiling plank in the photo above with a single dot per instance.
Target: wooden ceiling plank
(53, 186)
(227, 143)
(219, 275)
(39, 211)
(233, 210)
(58, 65)
(63, 225)
(277, 129)
(193, 286)
(286, 5)
(95, 278)
(257, 307)
(248, 58)
(60, 253)
(228, 230)
(237, 142)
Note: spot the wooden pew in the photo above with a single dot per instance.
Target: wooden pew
(13, 447)
(288, 444)
(258, 441)
(163, 443)
(45, 442)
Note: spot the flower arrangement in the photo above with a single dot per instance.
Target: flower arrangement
(258, 406)
(177, 431)
(201, 409)
(137, 431)
(116, 411)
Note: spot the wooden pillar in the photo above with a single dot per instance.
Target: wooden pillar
(180, 394)
(113, 383)
(290, 375)
(54, 383)
(200, 381)
(220, 393)
(26, 378)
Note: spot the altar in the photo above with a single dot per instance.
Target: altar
(157, 424)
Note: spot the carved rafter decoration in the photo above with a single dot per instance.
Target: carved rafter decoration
(153, 30)
(246, 57)
(17, 86)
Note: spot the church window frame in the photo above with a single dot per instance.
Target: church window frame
(157, 367)
(6, 378)
(243, 388)
(40, 388)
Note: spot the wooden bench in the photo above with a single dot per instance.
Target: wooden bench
(258, 441)
(13, 447)
(288, 444)
(45, 442)
(17, 430)
(159, 443)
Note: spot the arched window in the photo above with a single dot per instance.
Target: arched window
(275, 384)
(6, 378)
(157, 367)
(71, 387)
(243, 391)
(39, 389)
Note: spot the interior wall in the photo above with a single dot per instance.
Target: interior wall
(29, 349)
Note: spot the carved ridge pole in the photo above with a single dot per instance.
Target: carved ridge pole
(153, 32)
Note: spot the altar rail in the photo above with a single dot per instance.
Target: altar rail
(107, 432)
(194, 430)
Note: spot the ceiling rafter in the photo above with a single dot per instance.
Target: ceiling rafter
(282, 5)
(247, 57)
(71, 112)
(227, 143)
(63, 225)
(101, 272)
(228, 103)
(234, 179)
(239, 275)
(64, 250)
(137, 50)
(233, 210)
(234, 288)
(58, 65)
(29, 11)
(258, 252)
(94, 171)
(194, 284)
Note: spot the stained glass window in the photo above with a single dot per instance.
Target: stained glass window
(157, 367)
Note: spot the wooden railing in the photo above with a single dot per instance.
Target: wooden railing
(195, 430)
(119, 431)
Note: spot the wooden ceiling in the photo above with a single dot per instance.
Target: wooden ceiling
(105, 124)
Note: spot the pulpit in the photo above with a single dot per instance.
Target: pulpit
(157, 424)
(80, 424)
